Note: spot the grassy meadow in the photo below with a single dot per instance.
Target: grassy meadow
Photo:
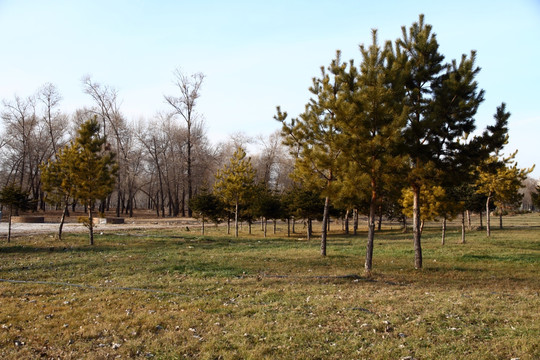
(171, 294)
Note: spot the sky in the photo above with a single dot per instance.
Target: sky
(256, 55)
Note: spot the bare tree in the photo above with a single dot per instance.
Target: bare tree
(20, 123)
(114, 125)
(55, 122)
(273, 162)
(184, 106)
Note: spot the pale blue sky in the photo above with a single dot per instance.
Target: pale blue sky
(257, 55)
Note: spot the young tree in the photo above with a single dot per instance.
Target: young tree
(91, 168)
(57, 183)
(304, 203)
(184, 105)
(15, 199)
(267, 205)
(535, 196)
(313, 138)
(235, 182)
(500, 180)
(207, 205)
(371, 120)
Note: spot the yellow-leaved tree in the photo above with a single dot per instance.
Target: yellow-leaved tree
(235, 182)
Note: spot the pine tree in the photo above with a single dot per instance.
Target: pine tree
(313, 139)
(15, 199)
(235, 182)
(500, 179)
(207, 206)
(371, 120)
(442, 100)
(91, 168)
(57, 183)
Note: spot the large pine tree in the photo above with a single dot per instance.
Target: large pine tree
(442, 100)
(371, 119)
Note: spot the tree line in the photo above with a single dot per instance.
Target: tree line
(393, 136)
(161, 161)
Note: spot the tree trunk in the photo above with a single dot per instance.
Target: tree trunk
(62, 220)
(91, 224)
(236, 219)
(469, 224)
(203, 225)
(347, 222)
(309, 232)
(417, 232)
(481, 225)
(325, 226)
(379, 226)
(275, 226)
(265, 226)
(288, 227)
(371, 235)
(443, 240)
(501, 220)
(189, 172)
(118, 197)
(9, 224)
(294, 225)
(355, 221)
(488, 220)
(463, 227)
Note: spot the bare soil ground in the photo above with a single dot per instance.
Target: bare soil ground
(141, 219)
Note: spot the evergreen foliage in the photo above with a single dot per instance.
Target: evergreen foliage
(207, 206)
(313, 138)
(91, 169)
(235, 182)
(15, 199)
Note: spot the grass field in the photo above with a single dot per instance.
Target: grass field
(165, 294)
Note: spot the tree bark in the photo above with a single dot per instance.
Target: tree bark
(325, 225)
(417, 233)
(62, 220)
(488, 222)
(379, 226)
(236, 219)
(91, 224)
(288, 227)
(355, 221)
(189, 175)
(371, 235)
(9, 224)
(443, 240)
(347, 222)
(463, 228)
(481, 219)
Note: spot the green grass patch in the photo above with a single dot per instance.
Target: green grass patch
(171, 294)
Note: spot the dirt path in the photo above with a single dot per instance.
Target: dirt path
(23, 229)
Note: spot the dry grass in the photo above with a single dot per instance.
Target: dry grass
(216, 297)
